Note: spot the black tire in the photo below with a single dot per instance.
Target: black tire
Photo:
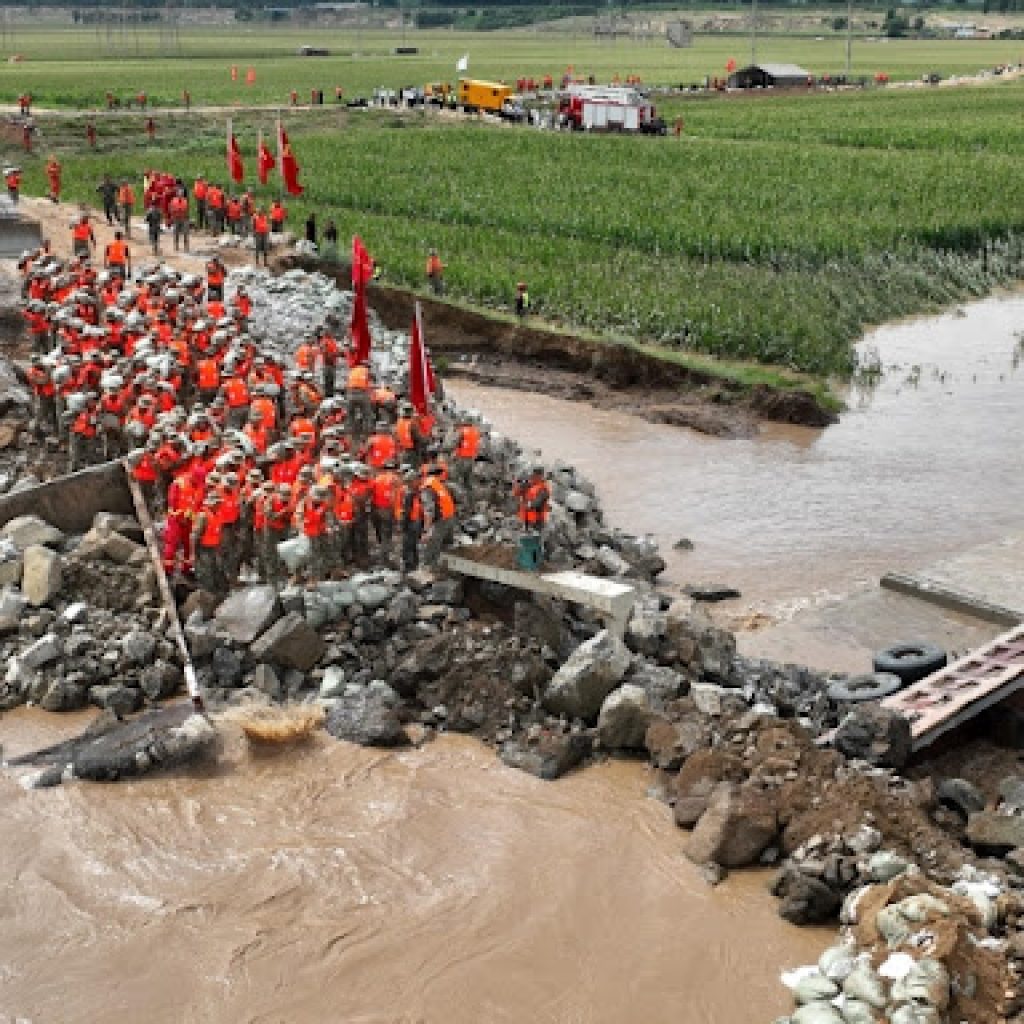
(912, 662)
(871, 686)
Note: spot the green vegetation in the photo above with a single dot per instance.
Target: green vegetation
(774, 231)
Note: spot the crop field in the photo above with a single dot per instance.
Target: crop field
(774, 230)
(77, 67)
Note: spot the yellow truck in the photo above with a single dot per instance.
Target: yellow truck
(478, 95)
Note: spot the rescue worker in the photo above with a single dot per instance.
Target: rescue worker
(362, 498)
(12, 179)
(381, 447)
(154, 221)
(117, 257)
(386, 484)
(53, 171)
(522, 301)
(408, 512)
(534, 495)
(216, 273)
(261, 236)
(126, 200)
(277, 215)
(438, 515)
(108, 195)
(185, 498)
(409, 436)
(360, 404)
(278, 511)
(314, 516)
(178, 210)
(215, 200)
(344, 512)
(82, 441)
(464, 454)
(82, 237)
(329, 352)
(199, 190)
(435, 272)
(44, 393)
(207, 540)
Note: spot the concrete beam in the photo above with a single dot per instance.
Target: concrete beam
(953, 598)
(613, 600)
(71, 502)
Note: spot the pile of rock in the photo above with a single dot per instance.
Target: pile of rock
(913, 952)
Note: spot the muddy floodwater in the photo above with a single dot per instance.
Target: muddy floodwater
(922, 464)
(342, 884)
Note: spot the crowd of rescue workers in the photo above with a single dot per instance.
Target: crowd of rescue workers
(240, 446)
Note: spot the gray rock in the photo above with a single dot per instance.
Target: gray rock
(875, 734)
(962, 796)
(160, 680)
(26, 531)
(734, 830)
(550, 757)
(817, 1013)
(123, 551)
(815, 988)
(122, 700)
(885, 865)
(624, 717)
(11, 569)
(63, 695)
(592, 671)
(333, 683)
(914, 1013)
(856, 1012)
(991, 830)
(692, 641)
(41, 577)
(893, 926)
(1011, 794)
(247, 613)
(373, 595)
(662, 684)
(290, 643)
(805, 900)
(671, 743)
(45, 650)
(267, 681)
(367, 716)
(611, 561)
(138, 648)
(711, 592)
(295, 553)
(75, 613)
(226, 666)
(202, 639)
(110, 522)
(645, 631)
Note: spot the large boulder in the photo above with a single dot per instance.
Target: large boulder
(735, 829)
(427, 661)
(550, 756)
(25, 531)
(876, 734)
(805, 899)
(591, 672)
(625, 714)
(672, 743)
(247, 613)
(291, 643)
(991, 830)
(41, 576)
(367, 716)
(693, 641)
(64, 695)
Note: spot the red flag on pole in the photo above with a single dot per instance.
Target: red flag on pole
(265, 160)
(235, 168)
(287, 163)
(362, 263)
(360, 327)
(418, 387)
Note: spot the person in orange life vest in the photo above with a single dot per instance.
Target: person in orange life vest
(82, 237)
(12, 179)
(144, 470)
(380, 447)
(233, 213)
(242, 306)
(185, 498)
(305, 398)
(534, 497)
(250, 494)
(438, 516)
(231, 514)
(39, 325)
(386, 483)
(208, 377)
(207, 543)
(170, 460)
(359, 402)
(126, 200)
(278, 512)
(329, 351)
(216, 273)
(44, 394)
(277, 216)
(248, 210)
(178, 210)
(435, 272)
(117, 257)
(261, 236)
(316, 519)
(362, 495)
(199, 191)
(113, 406)
(256, 431)
(307, 356)
(236, 394)
(53, 170)
(215, 200)
(408, 512)
(385, 403)
(464, 454)
(84, 430)
(409, 436)
(266, 407)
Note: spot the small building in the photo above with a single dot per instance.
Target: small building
(769, 76)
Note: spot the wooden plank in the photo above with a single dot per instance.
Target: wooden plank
(146, 522)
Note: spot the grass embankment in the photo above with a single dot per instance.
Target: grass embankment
(774, 232)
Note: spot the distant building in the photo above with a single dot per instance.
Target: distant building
(769, 76)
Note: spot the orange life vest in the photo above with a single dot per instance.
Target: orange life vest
(314, 518)
(117, 253)
(359, 378)
(403, 431)
(445, 502)
(530, 493)
(385, 489)
(236, 392)
(209, 374)
(469, 443)
(213, 527)
(380, 448)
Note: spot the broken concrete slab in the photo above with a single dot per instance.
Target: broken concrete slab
(27, 530)
(591, 672)
(247, 613)
(291, 643)
(41, 577)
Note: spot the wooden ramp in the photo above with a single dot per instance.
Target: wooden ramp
(613, 600)
(957, 693)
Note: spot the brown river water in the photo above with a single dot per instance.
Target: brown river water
(338, 884)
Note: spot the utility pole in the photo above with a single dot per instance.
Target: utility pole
(849, 39)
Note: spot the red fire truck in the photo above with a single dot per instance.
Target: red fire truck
(609, 108)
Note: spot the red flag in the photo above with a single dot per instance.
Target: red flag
(250, 76)
(418, 386)
(235, 168)
(359, 327)
(362, 263)
(265, 160)
(287, 163)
